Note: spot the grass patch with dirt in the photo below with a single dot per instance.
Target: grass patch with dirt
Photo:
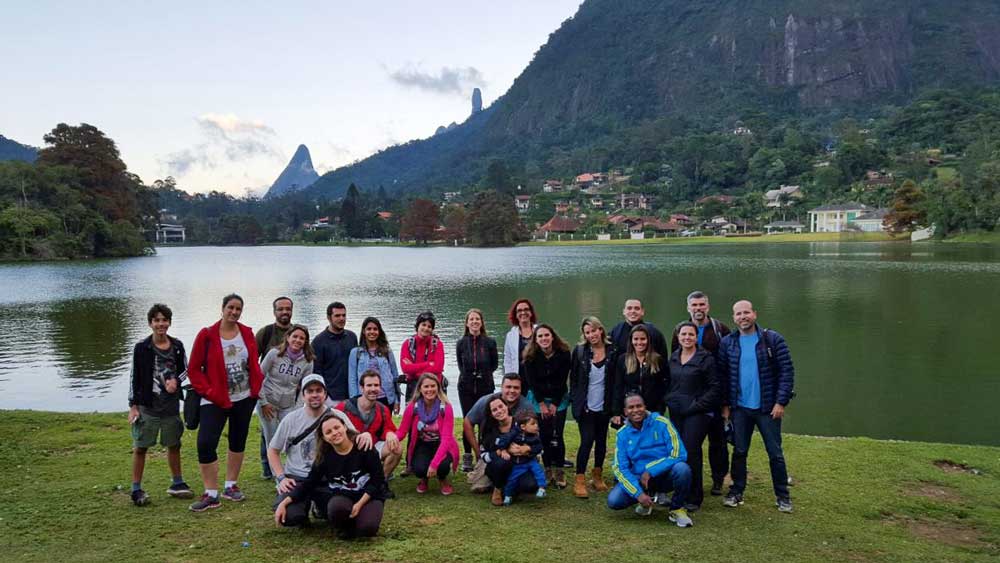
(65, 485)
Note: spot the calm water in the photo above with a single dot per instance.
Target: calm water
(889, 340)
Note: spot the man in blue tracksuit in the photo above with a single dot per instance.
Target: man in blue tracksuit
(649, 459)
(759, 384)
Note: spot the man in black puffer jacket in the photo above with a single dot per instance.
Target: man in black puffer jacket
(760, 384)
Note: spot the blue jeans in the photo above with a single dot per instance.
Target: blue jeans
(677, 479)
(513, 482)
(744, 421)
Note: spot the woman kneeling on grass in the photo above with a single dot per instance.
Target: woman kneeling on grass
(430, 423)
(354, 480)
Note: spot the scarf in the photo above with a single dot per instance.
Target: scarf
(293, 355)
(428, 416)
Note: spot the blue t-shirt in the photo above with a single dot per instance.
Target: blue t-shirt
(701, 333)
(749, 378)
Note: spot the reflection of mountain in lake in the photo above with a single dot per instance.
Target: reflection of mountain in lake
(89, 338)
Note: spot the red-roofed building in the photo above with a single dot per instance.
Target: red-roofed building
(384, 215)
(725, 199)
(558, 224)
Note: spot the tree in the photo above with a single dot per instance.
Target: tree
(498, 177)
(351, 213)
(420, 221)
(453, 219)
(493, 220)
(906, 213)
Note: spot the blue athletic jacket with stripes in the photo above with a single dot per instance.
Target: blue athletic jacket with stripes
(655, 448)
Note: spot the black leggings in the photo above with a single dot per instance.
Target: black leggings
(423, 453)
(213, 419)
(553, 444)
(498, 470)
(468, 398)
(365, 524)
(718, 448)
(693, 429)
(593, 433)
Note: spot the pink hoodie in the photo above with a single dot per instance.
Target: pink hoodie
(448, 443)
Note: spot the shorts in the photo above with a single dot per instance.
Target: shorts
(146, 428)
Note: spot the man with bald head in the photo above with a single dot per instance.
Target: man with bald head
(759, 386)
(635, 315)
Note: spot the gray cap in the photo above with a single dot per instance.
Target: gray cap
(313, 378)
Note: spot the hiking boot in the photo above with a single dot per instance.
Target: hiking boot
(446, 488)
(567, 464)
(467, 463)
(387, 492)
(422, 486)
(732, 500)
(681, 518)
(559, 476)
(692, 507)
(661, 499)
(716, 489)
(496, 499)
(784, 504)
(540, 493)
(405, 472)
(180, 490)
(206, 502)
(580, 487)
(233, 494)
(140, 498)
(643, 510)
(548, 475)
(597, 480)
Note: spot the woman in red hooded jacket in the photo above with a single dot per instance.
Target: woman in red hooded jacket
(224, 370)
(422, 353)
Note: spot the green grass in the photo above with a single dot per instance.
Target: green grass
(65, 484)
(789, 237)
(980, 237)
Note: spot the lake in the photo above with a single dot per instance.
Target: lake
(889, 340)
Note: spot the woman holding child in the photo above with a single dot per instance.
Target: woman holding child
(499, 465)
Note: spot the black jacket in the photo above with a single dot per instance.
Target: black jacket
(620, 336)
(714, 333)
(141, 390)
(332, 353)
(652, 386)
(548, 377)
(477, 362)
(579, 378)
(694, 387)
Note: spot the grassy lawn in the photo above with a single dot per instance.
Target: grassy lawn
(979, 237)
(65, 485)
(789, 237)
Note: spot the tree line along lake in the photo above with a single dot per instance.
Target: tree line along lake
(889, 340)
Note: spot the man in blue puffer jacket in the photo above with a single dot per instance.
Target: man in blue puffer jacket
(760, 385)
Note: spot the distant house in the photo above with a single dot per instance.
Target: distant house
(558, 224)
(597, 202)
(724, 199)
(562, 207)
(166, 232)
(384, 215)
(680, 219)
(773, 198)
(635, 201)
(871, 221)
(449, 196)
(552, 186)
(640, 224)
(522, 203)
(834, 218)
(784, 227)
(742, 131)
(584, 181)
(877, 179)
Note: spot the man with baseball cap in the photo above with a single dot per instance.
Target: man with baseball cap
(296, 438)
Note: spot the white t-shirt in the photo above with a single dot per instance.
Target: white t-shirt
(235, 356)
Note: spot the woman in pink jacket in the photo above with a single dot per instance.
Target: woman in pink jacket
(430, 423)
(422, 353)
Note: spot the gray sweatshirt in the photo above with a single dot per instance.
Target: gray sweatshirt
(281, 379)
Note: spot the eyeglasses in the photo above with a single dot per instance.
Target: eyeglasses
(522, 310)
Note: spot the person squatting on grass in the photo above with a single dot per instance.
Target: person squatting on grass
(158, 370)
(352, 500)
(650, 462)
(524, 432)
(373, 421)
(224, 371)
(429, 421)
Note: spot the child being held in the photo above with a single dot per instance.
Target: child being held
(524, 432)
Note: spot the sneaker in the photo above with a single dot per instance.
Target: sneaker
(405, 472)
(317, 513)
(387, 492)
(466, 463)
(661, 499)
(681, 518)
(507, 501)
(732, 500)
(643, 510)
(140, 498)
(180, 490)
(204, 503)
(717, 489)
(540, 493)
(234, 494)
(784, 504)
(446, 488)
(567, 464)
(692, 507)
(422, 486)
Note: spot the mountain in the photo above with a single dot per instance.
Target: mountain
(12, 150)
(619, 63)
(298, 175)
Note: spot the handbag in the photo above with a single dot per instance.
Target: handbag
(192, 409)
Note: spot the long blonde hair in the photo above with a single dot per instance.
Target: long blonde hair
(596, 324)
(420, 381)
(652, 357)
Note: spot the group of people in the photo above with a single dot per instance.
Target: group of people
(326, 407)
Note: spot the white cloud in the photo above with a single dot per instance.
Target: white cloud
(228, 138)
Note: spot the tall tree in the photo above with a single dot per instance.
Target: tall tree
(351, 213)
(420, 221)
(906, 213)
(493, 220)
(453, 219)
(498, 177)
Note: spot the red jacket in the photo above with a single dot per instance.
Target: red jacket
(207, 367)
(381, 424)
(424, 360)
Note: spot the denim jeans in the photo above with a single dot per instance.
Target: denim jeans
(744, 421)
(677, 479)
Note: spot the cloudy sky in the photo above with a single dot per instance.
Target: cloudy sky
(219, 94)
